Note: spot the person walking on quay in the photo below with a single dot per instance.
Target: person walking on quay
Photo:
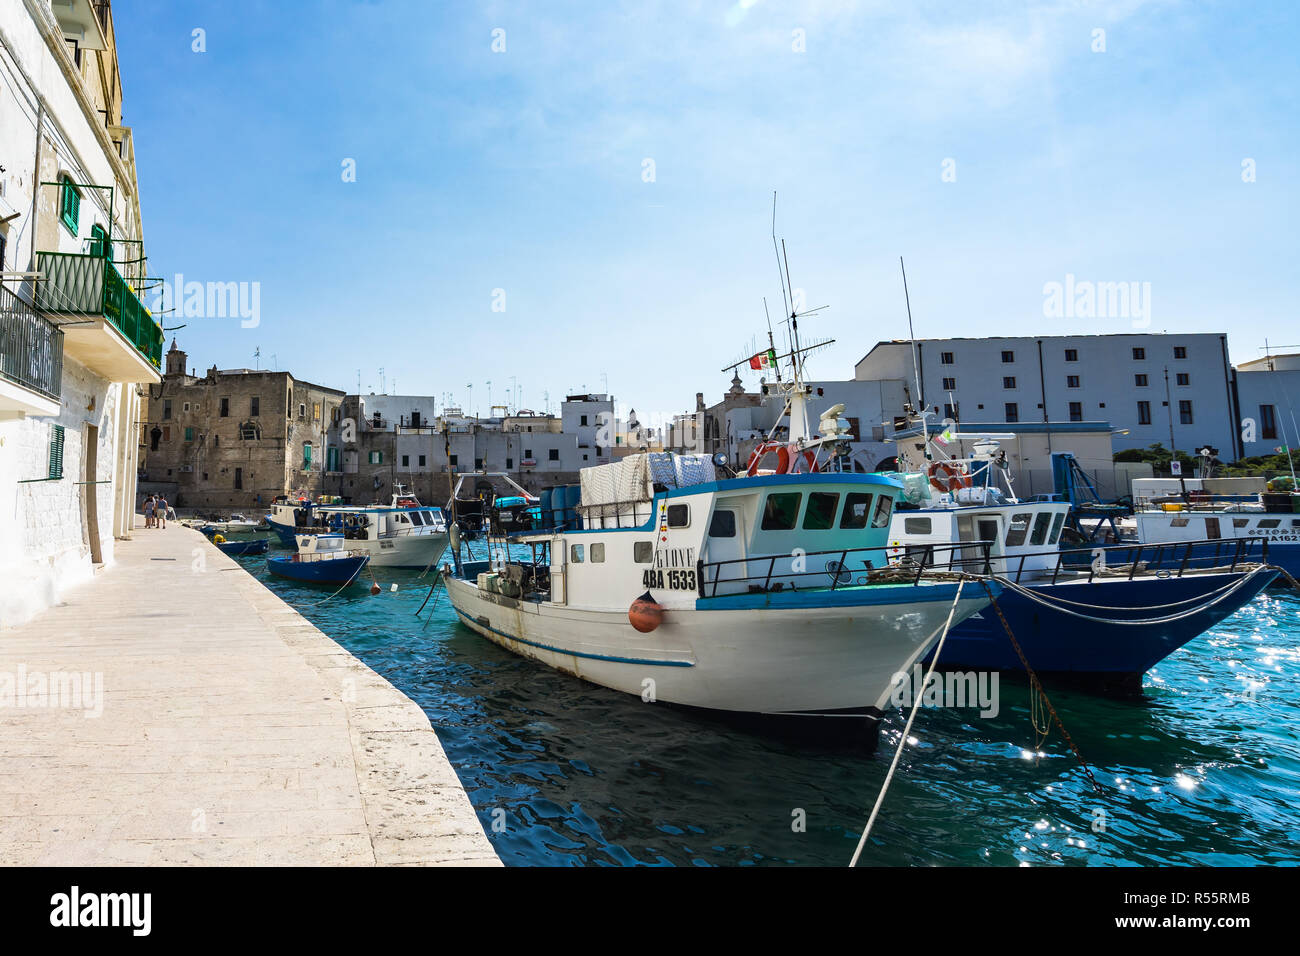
(148, 512)
(160, 511)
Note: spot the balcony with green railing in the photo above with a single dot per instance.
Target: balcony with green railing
(75, 284)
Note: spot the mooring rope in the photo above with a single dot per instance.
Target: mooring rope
(437, 579)
(345, 584)
(902, 740)
(1286, 574)
(1036, 689)
(1221, 595)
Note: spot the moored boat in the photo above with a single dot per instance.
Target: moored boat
(239, 549)
(403, 534)
(1185, 514)
(321, 559)
(768, 594)
(1095, 617)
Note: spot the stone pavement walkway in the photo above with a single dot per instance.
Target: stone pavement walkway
(232, 732)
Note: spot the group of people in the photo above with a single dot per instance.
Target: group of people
(155, 511)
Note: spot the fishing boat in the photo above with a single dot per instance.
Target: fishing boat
(1093, 617)
(764, 594)
(321, 559)
(1174, 511)
(403, 534)
(240, 549)
(234, 524)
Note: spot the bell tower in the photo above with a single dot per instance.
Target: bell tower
(175, 360)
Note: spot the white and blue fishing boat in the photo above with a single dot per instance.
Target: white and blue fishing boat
(321, 559)
(1095, 617)
(767, 594)
(1195, 509)
(403, 534)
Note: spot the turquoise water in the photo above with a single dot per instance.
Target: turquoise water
(1205, 771)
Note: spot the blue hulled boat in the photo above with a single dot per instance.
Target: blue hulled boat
(320, 559)
(1098, 617)
(239, 549)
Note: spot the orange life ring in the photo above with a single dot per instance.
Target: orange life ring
(946, 477)
(784, 458)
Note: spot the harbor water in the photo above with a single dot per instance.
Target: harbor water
(1204, 771)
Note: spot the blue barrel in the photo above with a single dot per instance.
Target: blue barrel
(544, 504)
(557, 507)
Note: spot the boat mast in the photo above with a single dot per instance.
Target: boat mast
(916, 368)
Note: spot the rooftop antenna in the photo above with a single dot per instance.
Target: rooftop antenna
(257, 358)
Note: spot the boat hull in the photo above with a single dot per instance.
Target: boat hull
(1110, 657)
(743, 655)
(335, 571)
(241, 548)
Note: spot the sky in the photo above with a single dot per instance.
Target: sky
(568, 197)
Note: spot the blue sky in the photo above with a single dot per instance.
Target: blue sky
(523, 170)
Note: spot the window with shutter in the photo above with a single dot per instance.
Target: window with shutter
(69, 205)
(56, 451)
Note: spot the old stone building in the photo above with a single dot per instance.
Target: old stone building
(233, 439)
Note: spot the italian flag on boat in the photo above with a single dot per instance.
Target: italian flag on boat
(763, 359)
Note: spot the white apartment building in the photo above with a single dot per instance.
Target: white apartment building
(1148, 386)
(590, 419)
(1267, 398)
(77, 346)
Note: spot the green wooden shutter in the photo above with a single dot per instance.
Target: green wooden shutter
(56, 451)
(70, 206)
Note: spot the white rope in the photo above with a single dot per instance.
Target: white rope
(902, 740)
(1137, 622)
(1153, 607)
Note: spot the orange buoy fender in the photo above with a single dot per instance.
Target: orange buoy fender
(646, 613)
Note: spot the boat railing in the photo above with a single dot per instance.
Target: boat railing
(834, 569)
(1170, 559)
(977, 557)
(312, 556)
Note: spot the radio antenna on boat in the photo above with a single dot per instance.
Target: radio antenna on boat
(916, 367)
(784, 299)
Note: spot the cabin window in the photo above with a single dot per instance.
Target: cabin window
(723, 525)
(1057, 522)
(781, 511)
(1017, 530)
(643, 552)
(1041, 525)
(1268, 522)
(857, 505)
(575, 553)
(679, 516)
(1179, 523)
(916, 525)
(417, 519)
(884, 508)
(1242, 522)
(820, 515)
(597, 553)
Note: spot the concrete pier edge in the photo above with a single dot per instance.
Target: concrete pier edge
(290, 749)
